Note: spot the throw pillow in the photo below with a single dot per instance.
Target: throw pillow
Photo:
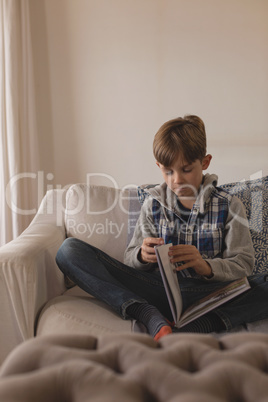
(254, 195)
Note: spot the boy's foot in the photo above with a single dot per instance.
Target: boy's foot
(149, 316)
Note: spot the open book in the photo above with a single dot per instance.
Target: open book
(203, 306)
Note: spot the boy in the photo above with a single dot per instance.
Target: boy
(180, 151)
(210, 236)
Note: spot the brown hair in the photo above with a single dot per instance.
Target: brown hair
(185, 136)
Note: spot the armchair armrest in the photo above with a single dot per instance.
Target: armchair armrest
(29, 276)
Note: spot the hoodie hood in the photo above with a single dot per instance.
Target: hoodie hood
(168, 199)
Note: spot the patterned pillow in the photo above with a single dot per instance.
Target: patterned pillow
(254, 195)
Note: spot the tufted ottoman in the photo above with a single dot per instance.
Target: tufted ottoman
(133, 367)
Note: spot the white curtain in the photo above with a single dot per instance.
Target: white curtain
(18, 136)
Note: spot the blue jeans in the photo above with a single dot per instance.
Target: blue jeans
(119, 285)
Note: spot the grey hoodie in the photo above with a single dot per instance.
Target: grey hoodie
(237, 254)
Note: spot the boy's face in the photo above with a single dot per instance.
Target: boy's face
(184, 179)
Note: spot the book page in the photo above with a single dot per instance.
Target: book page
(170, 280)
(214, 300)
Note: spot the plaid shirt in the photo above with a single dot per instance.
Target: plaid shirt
(204, 227)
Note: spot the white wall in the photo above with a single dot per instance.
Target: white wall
(108, 73)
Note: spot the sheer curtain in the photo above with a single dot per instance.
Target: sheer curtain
(18, 136)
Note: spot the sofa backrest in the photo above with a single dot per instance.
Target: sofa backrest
(105, 216)
(102, 216)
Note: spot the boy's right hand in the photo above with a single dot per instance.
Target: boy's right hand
(147, 251)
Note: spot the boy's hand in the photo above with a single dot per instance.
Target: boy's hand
(147, 252)
(190, 257)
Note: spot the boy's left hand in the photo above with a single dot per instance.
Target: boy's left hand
(190, 257)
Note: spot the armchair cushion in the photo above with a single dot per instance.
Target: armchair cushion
(101, 216)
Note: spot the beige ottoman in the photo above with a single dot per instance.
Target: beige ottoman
(135, 368)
